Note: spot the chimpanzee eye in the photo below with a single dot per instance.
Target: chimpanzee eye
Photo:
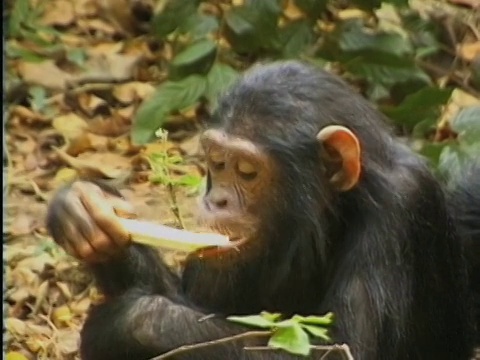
(217, 160)
(218, 165)
(246, 170)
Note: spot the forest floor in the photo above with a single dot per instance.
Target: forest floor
(56, 133)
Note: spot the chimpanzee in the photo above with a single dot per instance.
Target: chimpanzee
(330, 212)
(464, 200)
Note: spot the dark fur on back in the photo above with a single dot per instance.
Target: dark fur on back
(464, 199)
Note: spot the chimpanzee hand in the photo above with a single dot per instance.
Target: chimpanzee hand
(82, 219)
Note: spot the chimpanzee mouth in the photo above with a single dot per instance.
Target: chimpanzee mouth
(213, 251)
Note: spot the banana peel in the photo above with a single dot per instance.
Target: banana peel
(157, 235)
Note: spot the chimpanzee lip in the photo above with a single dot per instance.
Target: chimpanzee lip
(214, 251)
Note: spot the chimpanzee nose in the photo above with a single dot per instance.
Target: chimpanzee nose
(217, 199)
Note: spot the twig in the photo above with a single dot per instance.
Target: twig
(174, 205)
(328, 349)
(186, 348)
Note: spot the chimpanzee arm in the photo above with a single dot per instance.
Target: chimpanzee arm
(139, 267)
(136, 266)
(140, 326)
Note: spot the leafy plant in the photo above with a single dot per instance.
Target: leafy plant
(162, 162)
(455, 155)
(292, 335)
(385, 58)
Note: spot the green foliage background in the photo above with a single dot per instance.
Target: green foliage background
(383, 59)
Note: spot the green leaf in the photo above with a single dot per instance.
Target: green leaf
(312, 8)
(271, 316)
(254, 26)
(327, 319)
(253, 320)
(15, 51)
(417, 107)
(317, 331)
(452, 160)
(19, 14)
(220, 78)
(175, 13)
(296, 36)
(77, 56)
(38, 97)
(397, 3)
(197, 58)
(467, 124)
(292, 339)
(170, 96)
(199, 25)
(356, 37)
(367, 4)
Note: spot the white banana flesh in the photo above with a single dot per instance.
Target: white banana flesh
(157, 235)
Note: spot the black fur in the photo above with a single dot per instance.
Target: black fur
(385, 257)
(465, 204)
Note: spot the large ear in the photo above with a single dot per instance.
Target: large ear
(342, 154)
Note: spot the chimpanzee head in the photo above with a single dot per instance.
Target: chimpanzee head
(285, 147)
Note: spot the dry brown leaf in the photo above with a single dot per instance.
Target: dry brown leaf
(292, 12)
(15, 355)
(105, 48)
(81, 306)
(120, 13)
(23, 224)
(19, 295)
(71, 126)
(469, 51)
(127, 112)
(64, 289)
(41, 295)
(474, 4)
(67, 341)
(62, 316)
(96, 25)
(103, 165)
(86, 8)
(458, 100)
(92, 105)
(72, 40)
(37, 263)
(114, 126)
(34, 329)
(16, 326)
(348, 14)
(142, 48)
(58, 12)
(158, 147)
(191, 146)
(111, 66)
(35, 343)
(64, 176)
(45, 73)
(22, 143)
(132, 91)
(27, 115)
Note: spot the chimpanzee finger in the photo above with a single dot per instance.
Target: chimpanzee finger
(103, 214)
(121, 207)
(74, 243)
(87, 228)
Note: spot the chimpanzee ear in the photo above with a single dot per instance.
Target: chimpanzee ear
(341, 152)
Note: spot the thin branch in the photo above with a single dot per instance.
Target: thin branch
(187, 348)
(328, 349)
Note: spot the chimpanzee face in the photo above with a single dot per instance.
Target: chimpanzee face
(240, 176)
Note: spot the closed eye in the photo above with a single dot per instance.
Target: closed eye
(246, 170)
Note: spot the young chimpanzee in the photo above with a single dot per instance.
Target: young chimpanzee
(464, 199)
(332, 212)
